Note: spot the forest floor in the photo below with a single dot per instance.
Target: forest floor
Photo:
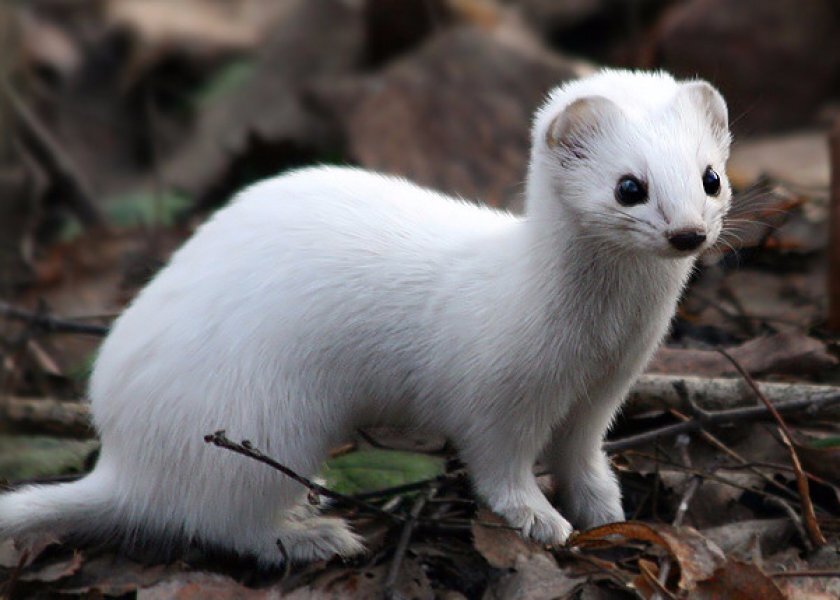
(129, 127)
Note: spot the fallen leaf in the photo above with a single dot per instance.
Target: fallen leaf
(197, 586)
(782, 353)
(697, 557)
(736, 580)
(54, 570)
(500, 546)
(371, 470)
(114, 575)
(535, 577)
(741, 538)
(412, 582)
(22, 553)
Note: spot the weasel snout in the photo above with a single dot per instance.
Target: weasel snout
(686, 239)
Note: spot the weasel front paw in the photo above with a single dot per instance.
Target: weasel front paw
(545, 526)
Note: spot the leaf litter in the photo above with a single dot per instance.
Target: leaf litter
(203, 99)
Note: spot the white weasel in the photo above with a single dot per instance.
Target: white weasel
(332, 298)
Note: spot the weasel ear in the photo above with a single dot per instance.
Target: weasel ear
(574, 128)
(703, 95)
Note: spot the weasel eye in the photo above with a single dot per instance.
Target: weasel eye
(630, 191)
(711, 182)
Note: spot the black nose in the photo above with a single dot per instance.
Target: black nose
(687, 239)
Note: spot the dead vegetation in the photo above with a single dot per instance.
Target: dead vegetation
(124, 124)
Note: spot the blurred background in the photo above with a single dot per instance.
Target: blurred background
(132, 119)
(125, 123)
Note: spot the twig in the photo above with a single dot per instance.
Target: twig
(389, 590)
(709, 476)
(46, 414)
(744, 464)
(682, 508)
(219, 439)
(53, 158)
(49, 322)
(717, 417)
(817, 538)
(656, 392)
(833, 276)
(760, 464)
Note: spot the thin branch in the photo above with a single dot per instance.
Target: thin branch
(409, 487)
(744, 464)
(389, 591)
(219, 439)
(817, 538)
(68, 418)
(49, 322)
(657, 392)
(711, 477)
(682, 508)
(718, 417)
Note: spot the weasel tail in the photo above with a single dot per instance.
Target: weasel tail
(85, 506)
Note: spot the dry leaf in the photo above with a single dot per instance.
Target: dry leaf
(783, 353)
(196, 586)
(500, 546)
(737, 580)
(697, 558)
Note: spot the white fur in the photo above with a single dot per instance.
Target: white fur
(332, 298)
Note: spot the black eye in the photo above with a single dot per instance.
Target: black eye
(630, 191)
(711, 182)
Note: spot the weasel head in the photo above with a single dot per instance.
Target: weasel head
(635, 160)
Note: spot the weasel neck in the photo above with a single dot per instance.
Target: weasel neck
(562, 288)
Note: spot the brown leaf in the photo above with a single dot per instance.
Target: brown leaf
(196, 586)
(647, 583)
(336, 584)
(742, 538)
(535, 577)
(805, 587)
(112, 575)
(697, 557)
(500, 546)
(15, 553)
(55, 570)
(782, 353)
(737, 580)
